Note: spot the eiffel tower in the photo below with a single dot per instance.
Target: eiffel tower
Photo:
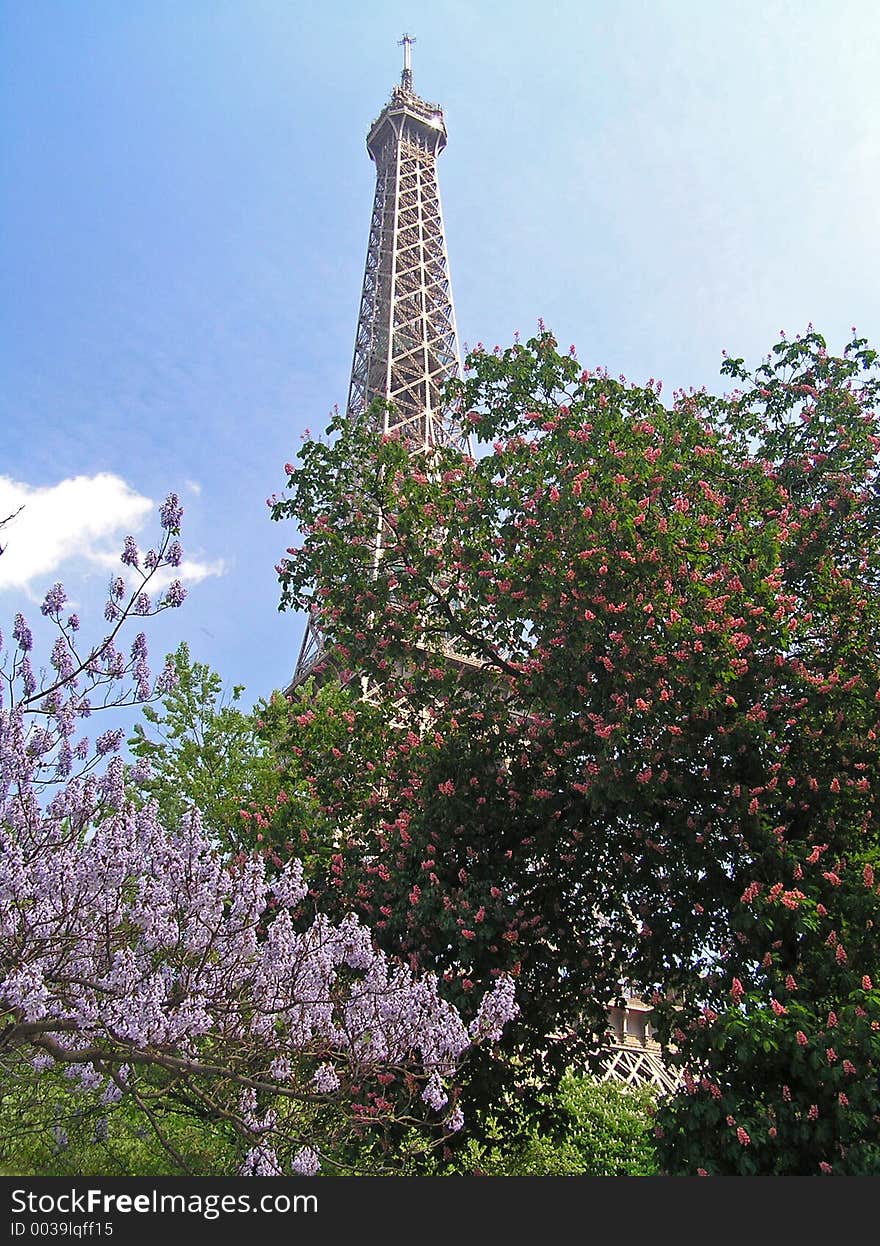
(406, 346)
(405, 351)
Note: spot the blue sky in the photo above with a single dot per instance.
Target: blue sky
(184, 203)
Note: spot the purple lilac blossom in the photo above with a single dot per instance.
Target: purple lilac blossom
(122, 937)
(306, 1162)
(171, 513)
(54, 600)
(130, 555)
(22, 633)
(137, 907)
(175, 594)
(455, 1120)
(326, 1079)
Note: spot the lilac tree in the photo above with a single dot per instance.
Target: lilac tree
(150, 968)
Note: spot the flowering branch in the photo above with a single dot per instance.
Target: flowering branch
(131, 950)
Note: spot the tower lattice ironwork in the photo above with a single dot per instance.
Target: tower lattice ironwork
(406, 345)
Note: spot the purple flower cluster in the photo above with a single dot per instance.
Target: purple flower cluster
(75, 681)
(175, 594)
(53, 602)
(261, 1161)
(171, 513)
(455, 1120)
(130, 555)
(22, 633)
(139, 938)
(495, 1010)
(434, 1094)
(134, 942)
(306, 1162)
(326, 1079)
(126, 943)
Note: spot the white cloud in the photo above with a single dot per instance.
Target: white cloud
(190, 571)
(84, 517)
(194, 487)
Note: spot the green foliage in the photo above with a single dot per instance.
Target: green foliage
(204, 753)
(330, 750)
(663, 709)
(581, 1128)
(584, 1128)
(50, 1129)
(599, 1129)
(773, 1104)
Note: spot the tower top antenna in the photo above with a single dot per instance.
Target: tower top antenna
(406, 77)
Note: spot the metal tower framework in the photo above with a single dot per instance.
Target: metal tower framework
(631, 1053)
(406, 345)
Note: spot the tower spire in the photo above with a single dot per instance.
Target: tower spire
(406, 43)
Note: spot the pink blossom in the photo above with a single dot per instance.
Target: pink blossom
(792, 899)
